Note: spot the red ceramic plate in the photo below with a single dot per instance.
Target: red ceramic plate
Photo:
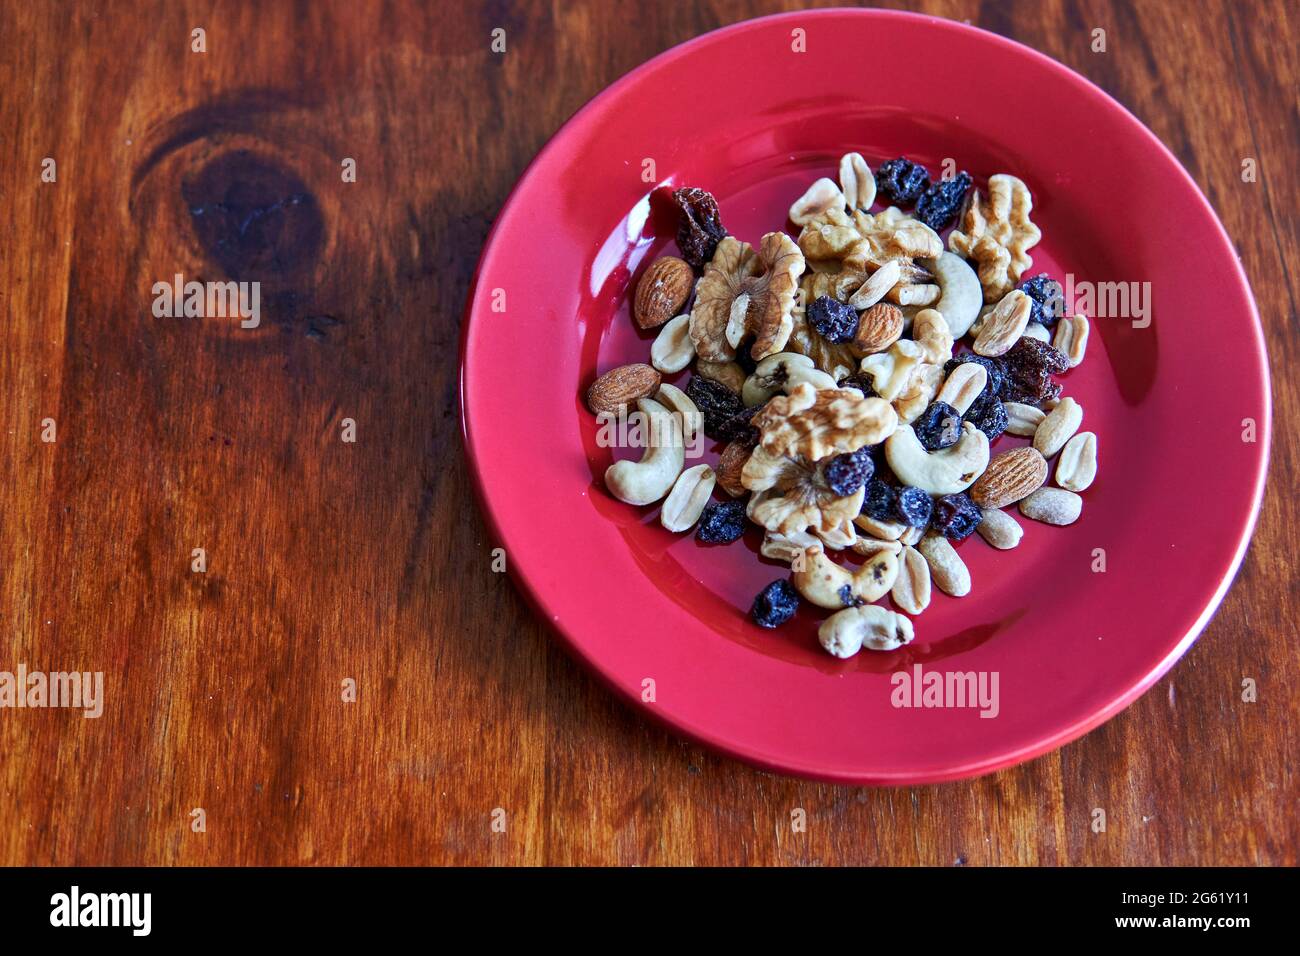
(742, 114)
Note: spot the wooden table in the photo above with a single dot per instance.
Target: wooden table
(329, 560)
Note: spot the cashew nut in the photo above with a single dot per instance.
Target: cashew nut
(962, 297)
(646, 481)
(782, 372)
(845, 633)
(826, 584)
(943, 472)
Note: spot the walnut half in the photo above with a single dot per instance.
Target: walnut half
(746, 292)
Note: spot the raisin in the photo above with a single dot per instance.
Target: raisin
(988, 414)
(941, 202)
(718, 404)
(913, 507)
(955, 517)
(845, 474)
(859, 381)
(699, 228)
(721, 522)
(775, 604)
(938, 427)
(835, 321)
(740, 428)
(1029, 365)
(992, 366)
(902, 180)
(879, 500)
(1046, 296)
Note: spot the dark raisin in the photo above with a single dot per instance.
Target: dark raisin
(1029, 365)
(721, 522)
(834, 320)
(902, 180)
(699, 228)
(1030, 350)
(740, 428)
(992, 366)
(859, 381)
(744, 356)
(775, 604)
(913, 507)
(938, 427)
(941, 202)
(845, 474)
(955, 517)
(988, 414)
(1047, 297)
(718, 404)
(879, 500)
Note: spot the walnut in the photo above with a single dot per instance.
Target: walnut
(997, 235)
(793, 495)
(815, 424)
(745, 292)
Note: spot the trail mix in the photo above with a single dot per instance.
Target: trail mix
(858, 379)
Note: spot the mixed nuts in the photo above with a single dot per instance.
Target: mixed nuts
(826, 366)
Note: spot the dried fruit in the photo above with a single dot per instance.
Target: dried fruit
(699, 227)
(663, 290)
(845, 474)
(621, 386)
(718, 404)
(835, 321)
(775, 604)
(955, 517)
(938, 427)
(1009, 477)
(1047, 296)
(1028, 367)
(913, 507)
(902, 180)
(988, 414)
(939, 205)
(880, 501)
(859, 381)
(721, 522)
(746, 292)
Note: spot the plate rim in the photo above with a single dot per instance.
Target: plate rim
(752, 755)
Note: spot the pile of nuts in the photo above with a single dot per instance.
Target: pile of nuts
(826, 369)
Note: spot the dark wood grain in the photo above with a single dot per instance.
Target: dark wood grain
(329, 560)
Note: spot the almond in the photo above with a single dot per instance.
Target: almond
(618, 387)
(662, 291)
(878, 328)
(730, 464)
(1009, 477)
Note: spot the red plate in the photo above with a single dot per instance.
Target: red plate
(742, 114)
